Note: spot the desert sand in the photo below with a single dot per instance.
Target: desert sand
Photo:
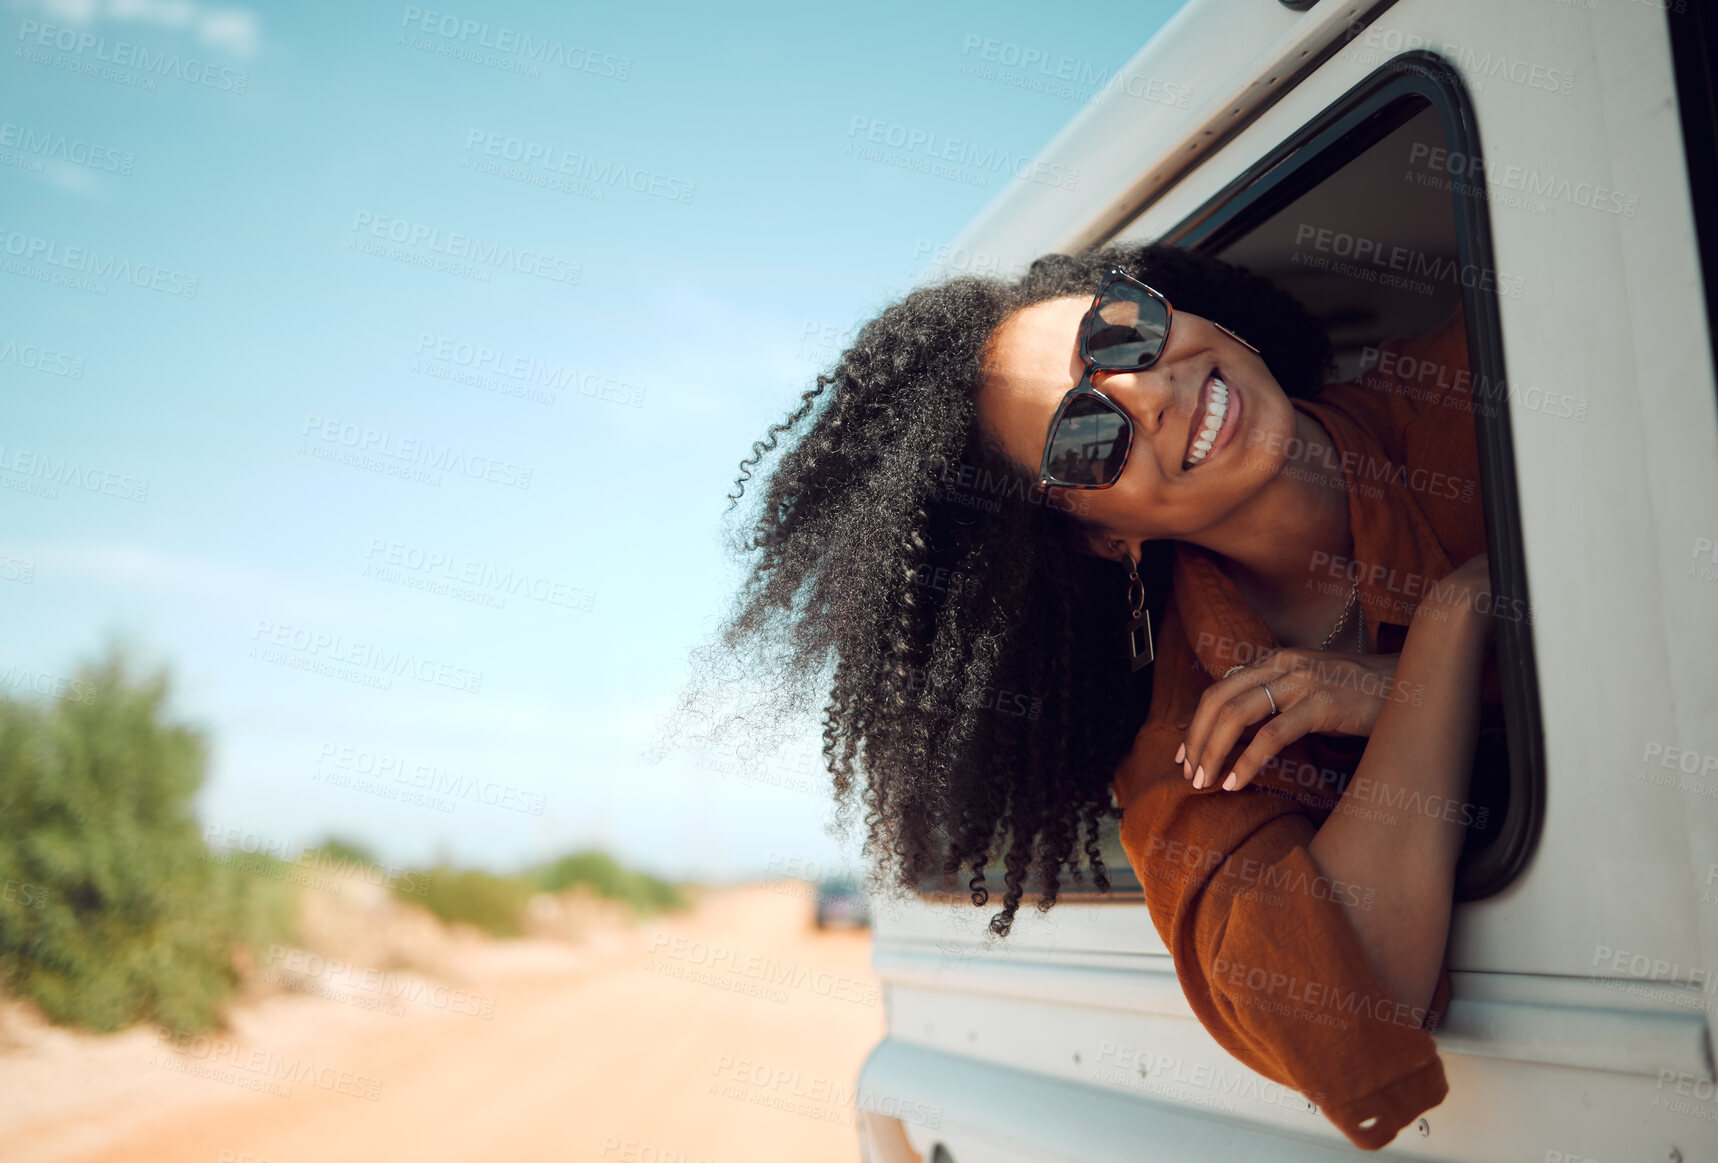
(732, 1033)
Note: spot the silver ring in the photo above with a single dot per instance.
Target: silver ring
(1233, 669)
(1266, 687)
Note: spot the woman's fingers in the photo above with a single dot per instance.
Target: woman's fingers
(1211, 702)
(1199, 750)
(1292, 724)
(1235, 715)
(1291, 693)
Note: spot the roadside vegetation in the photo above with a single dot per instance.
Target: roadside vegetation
(114, 907)
(497, 903)
(111, 911)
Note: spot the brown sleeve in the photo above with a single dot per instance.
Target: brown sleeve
(1264, 952)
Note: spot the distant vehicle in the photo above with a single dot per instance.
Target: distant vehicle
(840, 901)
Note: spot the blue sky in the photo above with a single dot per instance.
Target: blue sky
(352, 345)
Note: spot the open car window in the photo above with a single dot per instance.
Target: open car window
(1372, 217)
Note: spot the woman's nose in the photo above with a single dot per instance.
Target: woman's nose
(1147, 394)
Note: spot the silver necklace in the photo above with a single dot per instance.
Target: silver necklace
(1352, 606)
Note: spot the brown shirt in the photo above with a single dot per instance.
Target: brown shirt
(1265, 952)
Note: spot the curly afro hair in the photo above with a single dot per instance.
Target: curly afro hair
(979, 673)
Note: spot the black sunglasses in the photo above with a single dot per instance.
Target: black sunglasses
(1125, 329)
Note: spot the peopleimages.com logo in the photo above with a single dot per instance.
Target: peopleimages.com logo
(50, 145)
(526, 49)
(925, 145)
(90, 53)
(457, 247)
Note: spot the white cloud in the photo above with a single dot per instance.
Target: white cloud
(209, 585)
(136, 565)
(232, 30)
(75, 180)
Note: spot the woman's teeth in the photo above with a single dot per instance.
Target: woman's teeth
(1214, 413)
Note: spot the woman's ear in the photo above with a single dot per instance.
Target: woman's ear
(1099, 542)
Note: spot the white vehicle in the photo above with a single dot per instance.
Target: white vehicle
(1550, 165)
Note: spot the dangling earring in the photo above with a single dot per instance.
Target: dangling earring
(1141, 652)
(1236, 338)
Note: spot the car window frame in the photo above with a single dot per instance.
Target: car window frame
(1399, 89)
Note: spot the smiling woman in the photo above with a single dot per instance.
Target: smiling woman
(1208, 450)
(900, 476)
(1192, 445)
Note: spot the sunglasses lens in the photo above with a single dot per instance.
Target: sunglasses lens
(1130, 328)
(1090, 443)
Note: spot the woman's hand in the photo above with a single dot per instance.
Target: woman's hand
(1319, 692)
(1316, 692)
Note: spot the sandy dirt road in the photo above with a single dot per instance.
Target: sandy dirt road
(729, 1034)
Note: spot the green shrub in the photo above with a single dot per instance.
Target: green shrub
(605, 876)
(346, 850)
(495, 904)
(111, 910)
